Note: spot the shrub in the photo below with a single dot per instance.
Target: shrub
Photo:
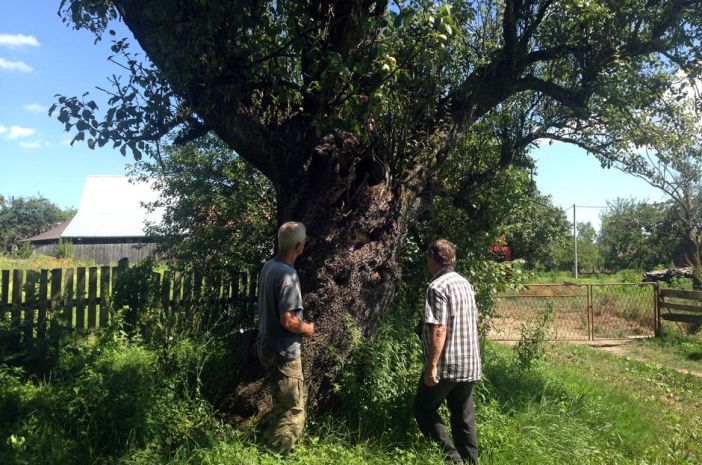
(135, 292)
(532, 339)
(64, 248)
(379, 382)
(105, 398)
(24, 251)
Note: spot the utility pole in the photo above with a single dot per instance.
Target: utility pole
(575, 246)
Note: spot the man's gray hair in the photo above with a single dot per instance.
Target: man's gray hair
(290, 234)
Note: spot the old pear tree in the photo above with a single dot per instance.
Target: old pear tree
(352, 108)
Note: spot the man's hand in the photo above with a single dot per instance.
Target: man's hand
(431, 376)
(308, 329)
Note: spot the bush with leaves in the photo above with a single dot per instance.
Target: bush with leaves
(107, 397)
(531, 348)
(134, 294)
(219, 211)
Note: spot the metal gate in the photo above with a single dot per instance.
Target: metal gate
(578, 312)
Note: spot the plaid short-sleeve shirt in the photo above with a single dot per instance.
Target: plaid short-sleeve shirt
(450, 302)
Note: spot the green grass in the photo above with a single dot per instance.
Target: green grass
(674, 349)
(557, 277)
(673, 400)
(115, 402)
(42, 262)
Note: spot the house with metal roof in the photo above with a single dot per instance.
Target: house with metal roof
(110, 223)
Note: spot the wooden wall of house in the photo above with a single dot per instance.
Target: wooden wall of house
(104, 254)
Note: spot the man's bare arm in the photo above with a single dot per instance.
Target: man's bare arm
(437, 339)
(291, 322)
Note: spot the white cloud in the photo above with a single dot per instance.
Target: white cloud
(3, 129)
(36, 108)
(15, 66)
(18, 132)
(18, 40)
(34, 144)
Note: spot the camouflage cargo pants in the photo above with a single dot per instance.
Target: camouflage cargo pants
(287, 417)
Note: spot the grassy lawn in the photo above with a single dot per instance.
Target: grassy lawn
(672, 350)
(671, 399)
(41, 262)
(579, 407)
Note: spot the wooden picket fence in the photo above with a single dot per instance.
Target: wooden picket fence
(31, 299)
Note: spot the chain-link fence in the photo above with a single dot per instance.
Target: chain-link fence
(577, 311)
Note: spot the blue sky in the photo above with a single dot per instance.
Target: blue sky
(40, 56)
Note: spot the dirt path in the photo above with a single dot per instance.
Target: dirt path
(622, 349)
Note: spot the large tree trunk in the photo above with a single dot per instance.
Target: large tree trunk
(356, 217)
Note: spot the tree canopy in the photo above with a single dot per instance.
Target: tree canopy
(354, 108)
(24, 217)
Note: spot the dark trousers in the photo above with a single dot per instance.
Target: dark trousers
(459, 397)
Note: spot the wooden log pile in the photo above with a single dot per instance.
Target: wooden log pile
(668, 274)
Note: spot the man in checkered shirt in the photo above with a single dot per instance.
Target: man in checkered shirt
(451, 357)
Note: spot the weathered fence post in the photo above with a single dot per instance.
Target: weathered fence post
(104, 295)
(657, 308)
(68, 301)
(30, 304)
(4, 292)
(80, 300)
(17, 284)
(92, 297)
(43, 303)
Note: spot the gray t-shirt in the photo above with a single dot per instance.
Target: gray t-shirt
(279, 291)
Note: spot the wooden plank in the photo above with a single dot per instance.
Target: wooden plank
(104, 295)
(68, 301)
(680, 294)
(115, 276)
(683, 307)
(187, 308)
(187, 290)
(156, 281)
(32, 301)
(80, 300)
(215, 288)
(92, 297)
(122, 265)
(244, 297)
(43, 303)
(683, 318)
(235, 290)
(177, 289)
(165, 294)
(197, 288)
(17, 284)
(56, 293)
(4, 292)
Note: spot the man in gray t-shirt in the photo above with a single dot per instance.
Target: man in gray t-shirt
(281, 327)
(279, 290)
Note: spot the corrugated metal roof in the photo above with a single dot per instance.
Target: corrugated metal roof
(111, 206)
(53, 233)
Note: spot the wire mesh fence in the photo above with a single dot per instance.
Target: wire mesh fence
(623, 310)
(578, 311)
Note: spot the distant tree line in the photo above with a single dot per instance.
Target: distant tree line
(24, 217)
(633, 235)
